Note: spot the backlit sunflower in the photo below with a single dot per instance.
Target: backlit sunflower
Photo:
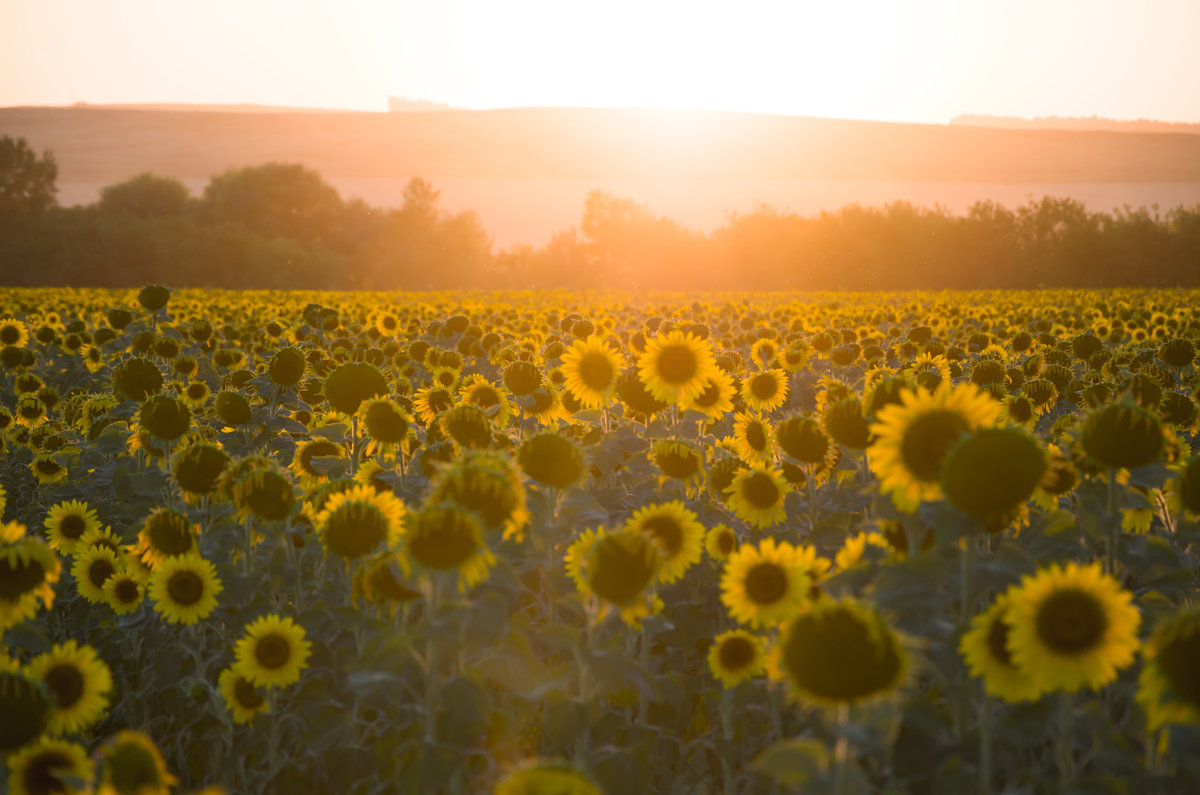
(92, 568)
(753, 438)
(736, 656)
(302, 465)
(766, 391)
(49, 766)
(841, 652)
(1167, 687)
(241, 696)
(591, 368)
(491, 399)
(676, 367)
(913, 438)
(855, 547)
(131, 764)
(546, 778)
(385, 422)
(447, 537)
(184, 588)
(756, 496)
(13, 333)
(78, 682)
(67, 522)
(431, 401)
(488, 484)
(716, 399)
(721, 542)
(619, 568)
(678, 460)
(928, 371)
(47, 469)
(356, 521)
(575, 561)
(677, 532)
(164, 534)
(763, 585)
(1072, 627)
(272, 652)
(28, 571)
(985, 647)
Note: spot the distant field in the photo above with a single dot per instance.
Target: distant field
(531, 210)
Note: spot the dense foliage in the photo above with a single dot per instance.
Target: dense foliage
(370, 542)
(280, 226)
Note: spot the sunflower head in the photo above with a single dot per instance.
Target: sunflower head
(165, 417)
(802, 439)
(544, 777)
(352, 383)
(675, 366)
(985, 649)
(621, 566)
(1122, 436)
(131, 764)
(272, 652)
(1167, 686)
(677, 533)
(992, 471)
(26, 707)
(165, 533)
(467, 425)
(385, 421)
(198, 468)
(78, 682)
(488, 484)
(756, 496)
(841, 652)
(846, 424)
(67, 523)
(184, 588)
(287, 367)
(137, 378)
(551, 459)
(736, 656)
(50, 766)
(447, 537)
(354, 522)
(765, 391)
(721, 542)
(678, 460)
(761, 585)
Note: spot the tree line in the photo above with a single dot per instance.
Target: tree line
(282, 226)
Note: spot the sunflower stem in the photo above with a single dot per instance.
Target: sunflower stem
(985, 745)
(248, 534)
(1063, 747)
(431, 602)
(353, 446)
(1110, 549)
(644, 661)
(812, 495)
(966, 564)
(841, 753)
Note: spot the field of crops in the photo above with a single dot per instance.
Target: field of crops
(599, 543)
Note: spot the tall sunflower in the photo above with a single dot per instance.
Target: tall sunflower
(736, 656)
(716, 399)
(1167, 687)
(753, 438)
(1072, 627)
(67, 522)
(92, 568)
(985, 649)
(241, 696)
(591, 368)
(130, 762)
(766, 391)
(676, 366)
(124, 591)
(356, 521)
(184, 588)
(446, 537)
(165, 533)
(763, 585)
(913, 438)
(756, 496)
(677, 532)
(272, 652)
(488, 484)
(620, 568)
(49, 766)
(78, 682)
(13, 333)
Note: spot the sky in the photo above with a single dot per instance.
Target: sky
(894, 60)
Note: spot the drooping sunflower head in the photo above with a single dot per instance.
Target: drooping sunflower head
(467, 425)
(131, 764)
(447, 537)
(913, 438)
(384, 580)
(257, 487)
(137, 378)
(233, 408)
(756, 496)
(198, 467)
(841, 652)
(354, 522)
(165, 417)
(846, 424)
(47, 469)
(677, 533)
(488, 484)
(165, 533)
(1072, 627)
(1122, 436)
(620, 567)
(678, 460)
(385, 421)
(992, 471)
(26, 707)
(675, 366)
(272, 652)
(551, 459)
(241, 696)
(735, 656)
(50, 766)
(763, 584)
(1167, 687)
(352, 383)
(305, 460)
(287, 367)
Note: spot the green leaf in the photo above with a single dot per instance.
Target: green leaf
(792, 763)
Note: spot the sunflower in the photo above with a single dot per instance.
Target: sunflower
(78, 682)
(241, 696)
(766, 391)
(49, 766)
(619, 568)
(13, 333)
(736, 656)
(25, 705)
(912, 439)
(184, 588)
(591, 368)
(1167, 685)
(164, 534)
(985, 648)
(355, 522)
(431, 401)
(302, 466)
(841, 652)
(676, 367)
(196, 394)
(929, 371)
(124, 591)
(756, 496)
(131, 763)
(1122, 435)
(46, 469)
(488, 484)
(721, 542)
(575, 561)
(259, 488)
(677, 532)
(753, 438)
(992, 471)
(1072, 627)
(92, 568)
(551, 459)
(386, 423)
(383, 580)
(102, 537)
(67, 522)
(476, 391)
(446, 537)
(855, 546)
(272, 652)
(762, 585)
(678, 460)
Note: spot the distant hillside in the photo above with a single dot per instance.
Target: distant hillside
(244, 107)
(1089, 123)
(401, 105)
(98, 144)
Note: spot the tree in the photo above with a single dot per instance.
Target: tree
(275, 200)
(27, 182)
(146, 196)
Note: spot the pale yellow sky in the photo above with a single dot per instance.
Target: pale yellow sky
(895, 60)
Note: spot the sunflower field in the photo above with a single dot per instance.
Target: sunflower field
(585, 543)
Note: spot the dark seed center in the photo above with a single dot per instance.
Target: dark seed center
(735, 653)
(185, 588)
(1071, 622)
(65, 684)
(927, 441)
(272, 651)
(766, 583)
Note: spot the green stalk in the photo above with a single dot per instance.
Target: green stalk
(841, 753)
(1063, 746)
(1113, 525)
(985, 745)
